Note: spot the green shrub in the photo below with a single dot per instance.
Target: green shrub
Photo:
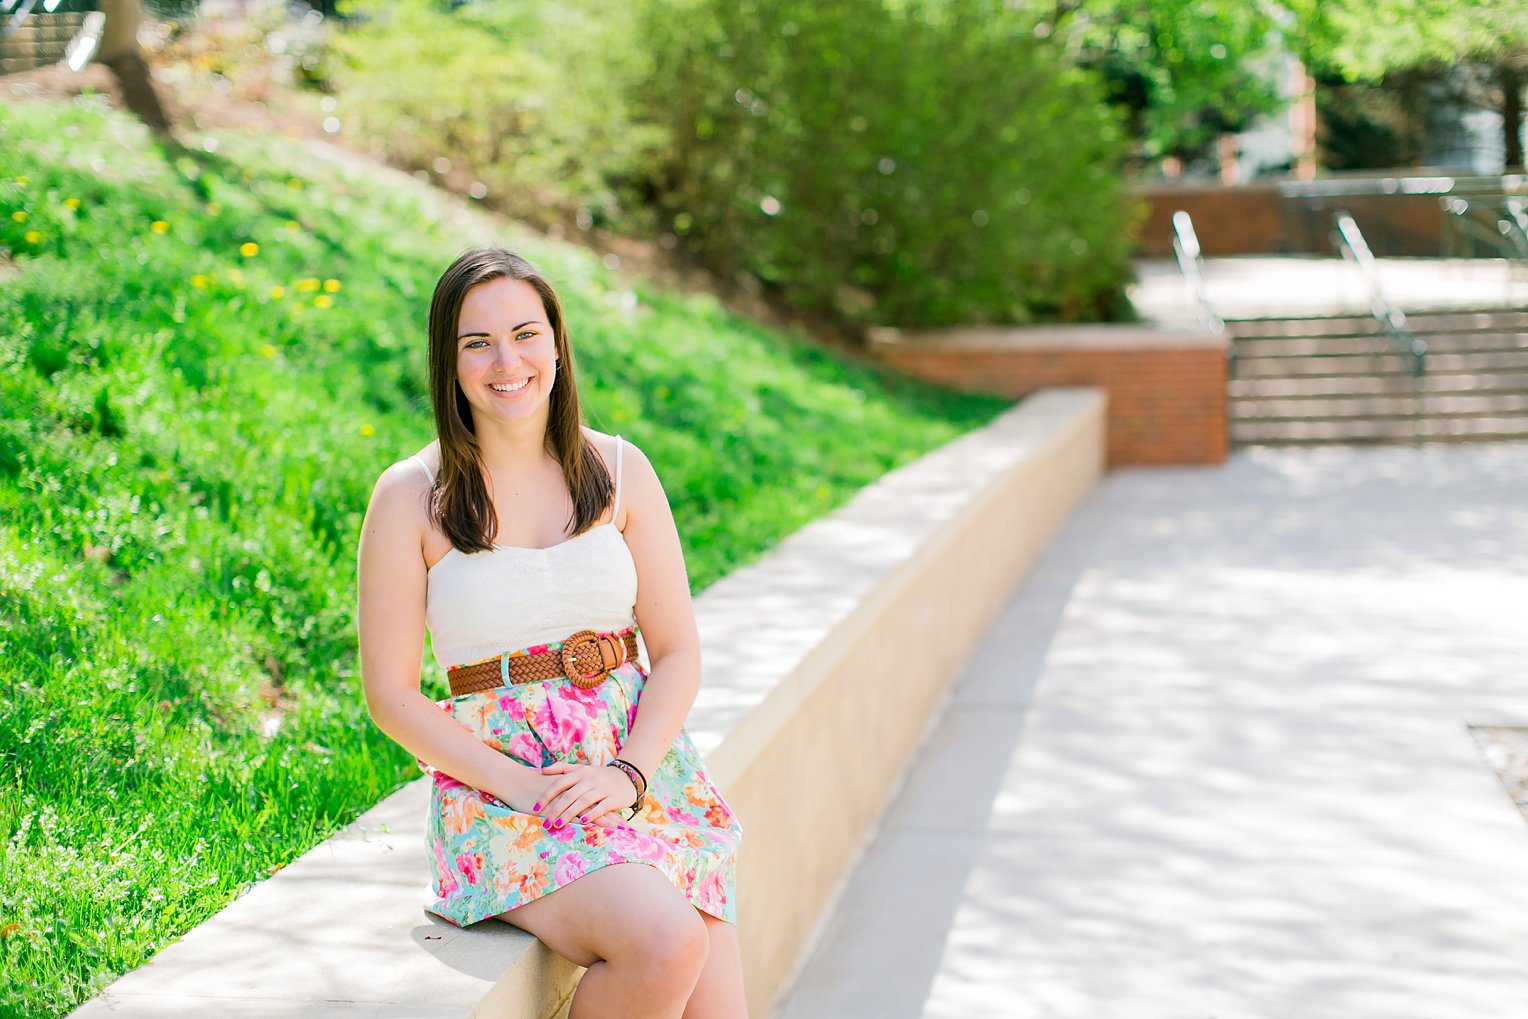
(530, 99)
(932, 156)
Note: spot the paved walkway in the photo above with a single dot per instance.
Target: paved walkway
(1214, 763)
(1259, 287)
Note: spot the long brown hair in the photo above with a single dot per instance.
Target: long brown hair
(459, 502)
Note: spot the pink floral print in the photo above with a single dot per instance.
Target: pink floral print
(486, 858)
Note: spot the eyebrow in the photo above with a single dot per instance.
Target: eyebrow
(522, 325)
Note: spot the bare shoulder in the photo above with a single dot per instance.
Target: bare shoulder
(398, 512)
(632, 457)
(639, 481)
(430, 454)
(604, 444)
(640, 488)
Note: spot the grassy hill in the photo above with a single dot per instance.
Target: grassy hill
(205, 362)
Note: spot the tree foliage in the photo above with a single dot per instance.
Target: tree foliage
(1373, 40)
(1184, 72)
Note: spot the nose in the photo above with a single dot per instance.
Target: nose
(506, 356)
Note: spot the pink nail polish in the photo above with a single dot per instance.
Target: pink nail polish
(583, 820)
(536, 807)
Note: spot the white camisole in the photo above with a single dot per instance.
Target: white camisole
(480, 605)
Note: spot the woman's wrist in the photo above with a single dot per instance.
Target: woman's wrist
(634, 775)
(514, 789)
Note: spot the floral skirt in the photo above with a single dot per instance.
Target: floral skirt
(486, 858)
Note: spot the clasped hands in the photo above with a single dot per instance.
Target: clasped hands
(587, 793)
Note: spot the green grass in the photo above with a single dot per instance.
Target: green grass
(188, 437)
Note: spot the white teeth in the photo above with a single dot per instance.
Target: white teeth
(509, 387)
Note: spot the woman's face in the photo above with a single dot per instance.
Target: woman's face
(506, 352)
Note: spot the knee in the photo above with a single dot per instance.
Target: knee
(682, 938)
(674, 946)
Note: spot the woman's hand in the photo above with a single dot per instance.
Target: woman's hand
(579, 791)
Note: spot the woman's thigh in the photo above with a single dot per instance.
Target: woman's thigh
(620, 908)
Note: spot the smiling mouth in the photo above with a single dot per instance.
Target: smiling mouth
(509, 387)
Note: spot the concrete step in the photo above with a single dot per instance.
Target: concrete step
(1463, 429)
(1500, 320)
(1378, 364)
(1437, 343)
(1378, 407)
(1358, 385)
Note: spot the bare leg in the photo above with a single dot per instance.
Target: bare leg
(719, 992)
(643, 943)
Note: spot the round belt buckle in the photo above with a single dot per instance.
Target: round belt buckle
(582, 661)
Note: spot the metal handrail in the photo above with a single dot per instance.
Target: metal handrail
(16, 12)
(1191, 264)
(1392, 321)
(1505, 225)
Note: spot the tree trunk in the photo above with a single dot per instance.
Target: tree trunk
(1512, 116)
(120, 52)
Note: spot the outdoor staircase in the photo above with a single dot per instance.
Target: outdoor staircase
(1305, 381)
(37, 35)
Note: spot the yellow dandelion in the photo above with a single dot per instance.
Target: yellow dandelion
(277, 293)
(307, 286)
(268, 351)
(32, 236)
(19, 216)
(213, 208)
(323, 301)
(368, 430)
(71, 204)
(294, 183)
(159, 226)
(249, 249)
(332, 286)
(21, 180)
(198, 281)
(293, 225)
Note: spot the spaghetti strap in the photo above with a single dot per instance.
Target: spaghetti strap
(616, 508)
(424, 467)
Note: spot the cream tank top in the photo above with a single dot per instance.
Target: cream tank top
(482, 604)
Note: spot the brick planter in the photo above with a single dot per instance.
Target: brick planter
(1166, 385)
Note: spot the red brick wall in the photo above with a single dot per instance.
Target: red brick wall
(1166, 406)
(1254, 219)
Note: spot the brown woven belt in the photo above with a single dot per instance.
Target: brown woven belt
(586, 658)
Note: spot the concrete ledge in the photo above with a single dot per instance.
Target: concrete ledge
(825, 663)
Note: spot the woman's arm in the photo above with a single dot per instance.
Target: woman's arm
(664, 613)
(390, 618)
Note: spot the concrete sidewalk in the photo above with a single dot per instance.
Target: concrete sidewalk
(1263, 287)
(1214, 762)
